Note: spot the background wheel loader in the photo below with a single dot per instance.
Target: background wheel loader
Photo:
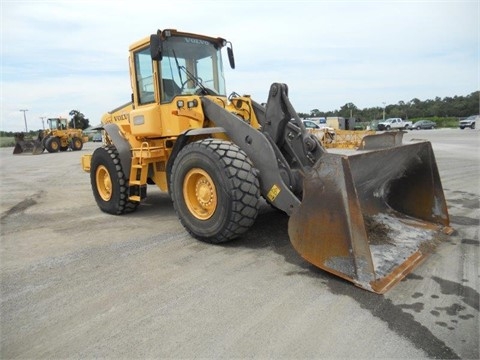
(58, 137)
(369, 217)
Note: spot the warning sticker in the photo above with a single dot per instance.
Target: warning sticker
(273, 193)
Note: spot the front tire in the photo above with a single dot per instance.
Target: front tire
(109, 183)
(52, 144)
(215, 190)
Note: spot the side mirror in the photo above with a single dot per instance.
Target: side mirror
(231, 58)
(155, 47)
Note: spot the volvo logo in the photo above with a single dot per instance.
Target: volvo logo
(196, 41)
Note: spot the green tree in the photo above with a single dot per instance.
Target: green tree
(448, 107)
(348, 110)
(78, 120)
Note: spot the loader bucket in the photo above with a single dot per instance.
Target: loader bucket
(27, 146)
(18, 149)
(370, 218)
(381, 140)
(37, 147)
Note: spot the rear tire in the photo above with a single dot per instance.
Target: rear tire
(473, 126)
(215, 190)
(109, 183)
(77, 144)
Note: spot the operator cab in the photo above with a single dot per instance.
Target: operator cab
(57, 124)
(186, 64)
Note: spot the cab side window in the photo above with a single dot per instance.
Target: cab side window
(144, 75)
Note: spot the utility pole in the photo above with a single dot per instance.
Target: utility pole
(383, 111)
(25, 119)
(43, 122)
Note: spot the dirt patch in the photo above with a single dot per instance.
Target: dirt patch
(377, 233)
(21, 206)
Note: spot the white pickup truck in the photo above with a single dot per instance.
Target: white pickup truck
(394, 123)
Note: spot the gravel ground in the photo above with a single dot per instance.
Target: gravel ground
(78, 283)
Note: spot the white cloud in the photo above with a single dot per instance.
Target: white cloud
(59, 56)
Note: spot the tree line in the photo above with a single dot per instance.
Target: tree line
(449, 107)
(457, 106)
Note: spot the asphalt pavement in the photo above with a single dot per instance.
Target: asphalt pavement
(78, 283)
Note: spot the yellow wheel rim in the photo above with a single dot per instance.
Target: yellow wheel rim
(77, 143)
(104, 183)
(55, 145)
(200, 194)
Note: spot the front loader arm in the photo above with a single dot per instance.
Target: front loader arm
(272, 186)
(282, 149)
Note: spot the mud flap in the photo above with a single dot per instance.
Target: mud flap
(372, 217)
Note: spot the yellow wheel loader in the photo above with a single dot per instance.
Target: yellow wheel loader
(58, 137)
(369, 217)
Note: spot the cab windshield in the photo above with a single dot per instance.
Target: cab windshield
(190, 65)
(57, 124)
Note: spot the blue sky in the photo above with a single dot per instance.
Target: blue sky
(64, 55)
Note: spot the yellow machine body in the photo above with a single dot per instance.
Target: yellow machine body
(368, 217)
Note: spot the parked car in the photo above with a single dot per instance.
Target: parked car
(309, 124)
(317, 120)
(97, 138)
(423, 124)
(469, 122)
(393, 123)
(322, 132)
